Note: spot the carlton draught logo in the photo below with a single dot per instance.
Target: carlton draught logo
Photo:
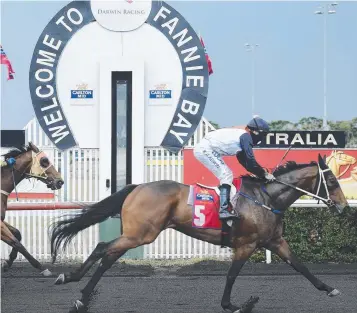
(160, 92)
(82, 92)
(204, 195)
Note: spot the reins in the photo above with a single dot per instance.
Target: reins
(328, 201)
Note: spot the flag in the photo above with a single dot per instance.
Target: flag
(4, 60)
(209, 62)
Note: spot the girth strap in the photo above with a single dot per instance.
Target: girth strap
(260, 204)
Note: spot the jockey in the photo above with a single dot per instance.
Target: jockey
(232, 141)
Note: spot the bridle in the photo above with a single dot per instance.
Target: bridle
(322, 181)
(36, 171)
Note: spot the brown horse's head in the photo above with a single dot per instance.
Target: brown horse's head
(334, 191)
(31, 162)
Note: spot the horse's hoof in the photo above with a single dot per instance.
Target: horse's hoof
(248, 306)
(60, 279)
(334, 293)
(4, 265)
(78, 307)
(46, 273)
(81, 308)
(231, 308)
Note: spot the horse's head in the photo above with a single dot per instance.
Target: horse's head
(329, 188)
(31, 162)
(315, 179)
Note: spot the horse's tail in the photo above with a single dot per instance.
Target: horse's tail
(66, 229)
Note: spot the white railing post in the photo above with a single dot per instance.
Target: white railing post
(268, 256)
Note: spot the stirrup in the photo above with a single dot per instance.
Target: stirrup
(228, 215)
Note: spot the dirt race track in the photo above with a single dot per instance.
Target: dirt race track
(197, 289)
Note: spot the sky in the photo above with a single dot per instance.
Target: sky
(288, 60)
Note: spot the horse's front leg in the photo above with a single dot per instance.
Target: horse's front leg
(8, 237)
(14, 251)
(282, 249)
(241, 255)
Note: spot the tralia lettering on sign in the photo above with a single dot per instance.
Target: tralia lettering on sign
(316, 139)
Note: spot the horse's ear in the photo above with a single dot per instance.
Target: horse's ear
(322, 162)
(33, 147)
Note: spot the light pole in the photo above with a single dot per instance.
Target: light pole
(251, 48)
(325, 10)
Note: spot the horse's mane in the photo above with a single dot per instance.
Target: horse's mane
(285, 168)
(13, 153)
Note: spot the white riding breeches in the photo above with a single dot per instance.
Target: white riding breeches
(212, 159)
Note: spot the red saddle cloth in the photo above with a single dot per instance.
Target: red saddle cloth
(205, 210)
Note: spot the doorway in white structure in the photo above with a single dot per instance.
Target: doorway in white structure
(121, 121)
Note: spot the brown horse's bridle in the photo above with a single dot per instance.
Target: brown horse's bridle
(36, 170)
(328, 201)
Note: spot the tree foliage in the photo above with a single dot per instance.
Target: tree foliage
(214, 124)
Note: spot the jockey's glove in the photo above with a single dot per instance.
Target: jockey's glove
(269, 177)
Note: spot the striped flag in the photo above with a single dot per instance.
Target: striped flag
(4, 60)
(209, 62)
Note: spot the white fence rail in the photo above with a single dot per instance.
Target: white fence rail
(170, 244)
(80, 171)
(34, 227)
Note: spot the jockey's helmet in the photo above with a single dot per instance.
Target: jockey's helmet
(258, 124)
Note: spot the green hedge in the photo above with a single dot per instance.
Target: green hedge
(318, 235)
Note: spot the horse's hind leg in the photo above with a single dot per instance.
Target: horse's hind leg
(282, 249)
(78, 274)
(14, 251)
(8, 237)
(117, 248)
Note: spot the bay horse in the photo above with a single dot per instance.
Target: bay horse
(30, 163)
(147, 209)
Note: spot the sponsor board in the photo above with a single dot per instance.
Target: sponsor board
(342, 162)
(304, 139)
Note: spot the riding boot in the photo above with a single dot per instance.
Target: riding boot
(224, 213)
